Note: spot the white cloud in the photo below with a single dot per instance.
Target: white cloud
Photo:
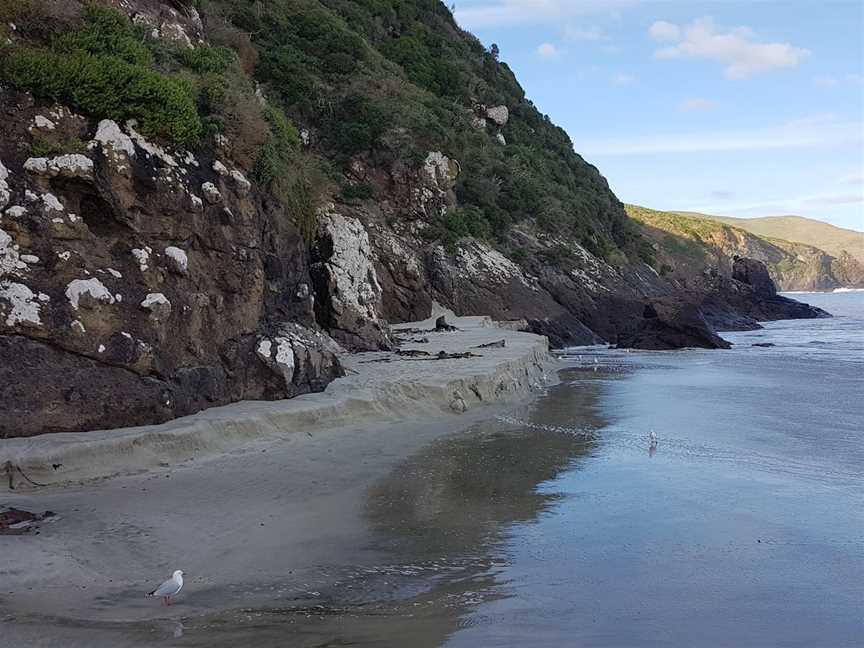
(547, 51)
(665, 31)
(845, 199)
(736, 49)
(696, 103)
(480, 14)
(820, 131)
(829, 81)
(826, 81)
(622, 78)
(853, 178)
(590, 34)
(722, 194)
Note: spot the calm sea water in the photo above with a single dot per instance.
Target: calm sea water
(744, 528)
(560, 526)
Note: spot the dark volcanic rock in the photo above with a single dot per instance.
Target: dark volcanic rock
(672, 324)
(748, 297)
(127, 297)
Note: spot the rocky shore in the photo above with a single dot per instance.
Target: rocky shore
(434, 373)
(245, 498)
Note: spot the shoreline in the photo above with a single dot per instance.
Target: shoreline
(269, 506)
(371, 391)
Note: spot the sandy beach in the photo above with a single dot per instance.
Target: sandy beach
(255, 501)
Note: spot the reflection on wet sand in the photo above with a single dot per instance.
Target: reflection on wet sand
(436, 524)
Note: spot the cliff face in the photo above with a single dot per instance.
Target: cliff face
(201, 208)
(141, 283)
(686, 243)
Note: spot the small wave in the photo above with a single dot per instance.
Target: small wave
(848, 290)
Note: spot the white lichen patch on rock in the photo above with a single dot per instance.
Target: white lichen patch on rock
(142, 256)
(5, 194)
(394, 251)
(220, 168)
(243, 184)
(178, 261)
(196, 203)
(87, 293)
(40, 122)
(158, 305)
(476, 260)
(78, 327)
(501, 139)
(10, 260)
(148, 147)
(51, 203)
(211, 193)
(16, 211)
(22, 305)
(114, 142)
(498, 114)
(351, 267)
(69, 165)
(278, 354)
(440, 170)
(114, 273)
(174, 34)
(263, 349)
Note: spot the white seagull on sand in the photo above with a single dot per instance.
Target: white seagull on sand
(169, 588)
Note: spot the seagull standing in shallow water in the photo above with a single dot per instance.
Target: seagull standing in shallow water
(169, 588)
(652, 439)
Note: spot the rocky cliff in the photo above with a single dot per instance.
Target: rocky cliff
(199, 208)
(686, 243)
(141, 283)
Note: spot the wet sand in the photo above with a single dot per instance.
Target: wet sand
(397, 547)
(276, 520)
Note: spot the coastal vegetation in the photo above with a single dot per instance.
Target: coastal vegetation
(382, 81)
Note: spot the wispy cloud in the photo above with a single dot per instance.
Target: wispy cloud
(622, 79)
(589, 34)
(737, 48)
(856, 178)
(830, 81)
(480, 14)
(548, 51)
(820, 131)
(663, 31)
(843, 199)
(696, 104)
(721, 194)
(773, 206)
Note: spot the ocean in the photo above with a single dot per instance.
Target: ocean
(744, 527)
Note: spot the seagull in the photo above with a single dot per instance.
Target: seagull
(169, 588)
(652, 439)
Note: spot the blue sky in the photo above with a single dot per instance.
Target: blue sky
(733, 108)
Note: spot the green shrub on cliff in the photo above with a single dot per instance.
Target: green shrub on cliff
(108, 86)
(105, 69)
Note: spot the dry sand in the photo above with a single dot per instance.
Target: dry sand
(253, 500)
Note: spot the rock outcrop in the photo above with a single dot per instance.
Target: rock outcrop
(749, 296)
(125, 299)
(347, 292)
